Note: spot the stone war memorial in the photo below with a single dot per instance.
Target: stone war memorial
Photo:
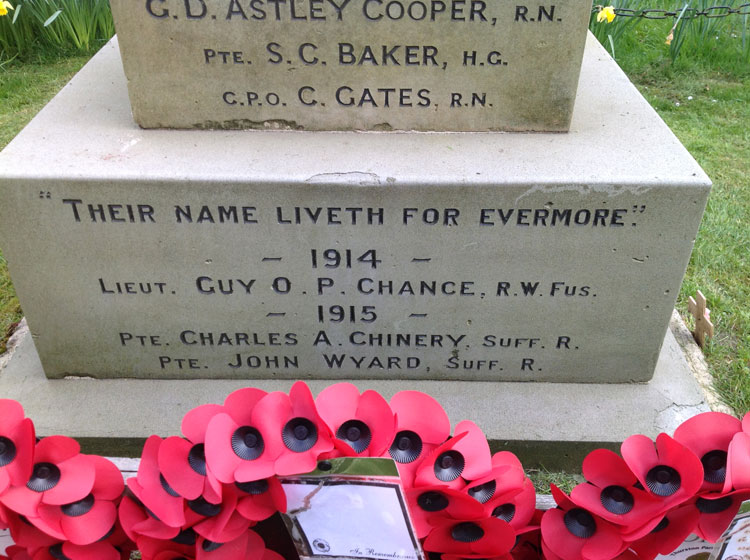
(463, 197)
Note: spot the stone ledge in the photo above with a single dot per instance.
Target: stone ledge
(552, 425)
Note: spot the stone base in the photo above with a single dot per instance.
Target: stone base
(500, 257)
(550, 425)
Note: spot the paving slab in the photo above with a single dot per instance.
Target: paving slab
(552, 425)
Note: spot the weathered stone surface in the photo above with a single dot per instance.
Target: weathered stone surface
(461, 65)
(554, 257)
(552, 425)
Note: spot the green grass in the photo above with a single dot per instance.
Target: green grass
(54, 24)
(704, 96)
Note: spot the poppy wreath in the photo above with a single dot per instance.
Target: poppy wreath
(57, 502)
(208, 494)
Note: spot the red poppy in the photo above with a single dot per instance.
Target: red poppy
(236, 450)
(16, 445)
(152, 489)
(611, 492)
(708, 435)
(91, 518)
(507, 471)
(292, 430)
(117, 538)
(529, 543)
(363, 422)
(570, 532)
(15, 552)
(629, 555)
(668, 534)
(217, 522)
(464, 457)
(478, 556)
(248, 546)
(60, 475)
(26, 535)
(505, 480)
(260, 499)
(158, 549)
(421, 425)
(738, 463)
(182, 461)
(666, 469)
(3, 517)
(70, 551)
(430, 506)
(482, 538)
(138, 521)
(442, 467)
(716, 513)
(515, 506)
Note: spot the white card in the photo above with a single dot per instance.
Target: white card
(351, 518)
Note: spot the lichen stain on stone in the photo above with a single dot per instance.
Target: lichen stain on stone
(357, 178)
(247, 124)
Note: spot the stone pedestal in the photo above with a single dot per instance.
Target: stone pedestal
(441, 262)
(162, 254)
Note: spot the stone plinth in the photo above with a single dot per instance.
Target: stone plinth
(396, 256)
(462, 65)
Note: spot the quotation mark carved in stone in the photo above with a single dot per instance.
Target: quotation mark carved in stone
(45, 194)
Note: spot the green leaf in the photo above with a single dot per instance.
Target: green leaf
(15, 14)
(52, 18)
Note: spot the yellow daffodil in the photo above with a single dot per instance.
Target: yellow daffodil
(4, 7)
(607, 13)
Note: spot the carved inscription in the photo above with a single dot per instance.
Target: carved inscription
(353, 64)
(345, 302)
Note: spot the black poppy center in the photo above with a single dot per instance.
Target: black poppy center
(7, 451)
(299, 435)
(56, 552)
(663, 524)
(254, 487)
(187, 536)
(432, 501)
(663, 480)
(483, 492)
(204, 508)
(617, 500)
(108, 534)
(714, 466)
(467, 532)
(167, 488)
(506, 512)
(713, 506)
(151, 513)
(81, 507)
(209, 546)
(197, 459)
(580, 523)
(356, 433)
(247, 443)
(449, 466)
(406, 447)
(45, 476)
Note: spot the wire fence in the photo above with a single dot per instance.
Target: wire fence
(685, 14)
